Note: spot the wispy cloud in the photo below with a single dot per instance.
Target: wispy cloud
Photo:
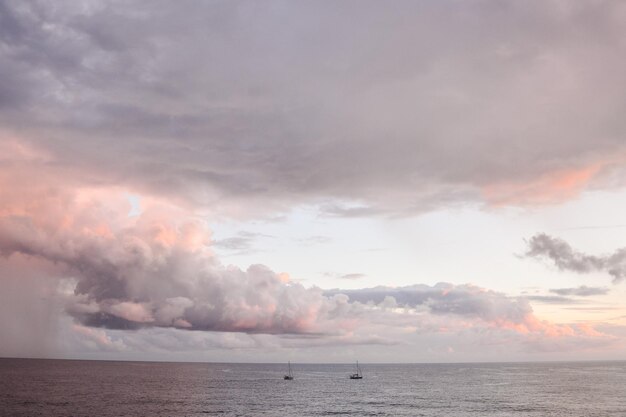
(552, 299)
(348, 276)
(337, 210)
(582, 291)
(354, 275)
(314, 240)
(567, 259)
(243, 242)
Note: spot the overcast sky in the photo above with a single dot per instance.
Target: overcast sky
(407, 181)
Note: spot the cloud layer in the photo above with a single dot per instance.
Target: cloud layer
(389, 109)
(149, 270)
(155, 269)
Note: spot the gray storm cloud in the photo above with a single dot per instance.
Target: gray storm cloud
(567, 259)
(392, 108)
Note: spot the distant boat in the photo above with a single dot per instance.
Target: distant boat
(289, 376)
(358, 374)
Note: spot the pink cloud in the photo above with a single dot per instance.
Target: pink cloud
(547, 189)
(98, 338)
(135, 312)
(157, 269)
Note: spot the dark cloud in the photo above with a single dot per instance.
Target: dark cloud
(567, 259)
(582, 291)
(385, 109)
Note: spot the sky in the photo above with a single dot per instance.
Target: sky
(241, 181)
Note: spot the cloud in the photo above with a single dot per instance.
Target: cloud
(463, 310)
(223, 105)
(552, 299)
(550, 188)
(354, 275)
(98, 339)
(314, 240)
(567, 259)
(582, 291)
(243, 242)
(349, 276)
(446, 299)
(349, 211)
(156, 270)
(153, 269)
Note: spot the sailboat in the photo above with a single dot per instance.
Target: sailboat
(289, 376)
(358, 374)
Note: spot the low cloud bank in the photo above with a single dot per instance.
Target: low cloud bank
(120, 267)
(156, 269)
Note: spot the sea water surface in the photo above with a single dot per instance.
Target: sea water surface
(97, 388)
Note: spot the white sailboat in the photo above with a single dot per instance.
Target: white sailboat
(289, 376)
(358, 374)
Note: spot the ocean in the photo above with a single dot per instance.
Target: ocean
(33, 387)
